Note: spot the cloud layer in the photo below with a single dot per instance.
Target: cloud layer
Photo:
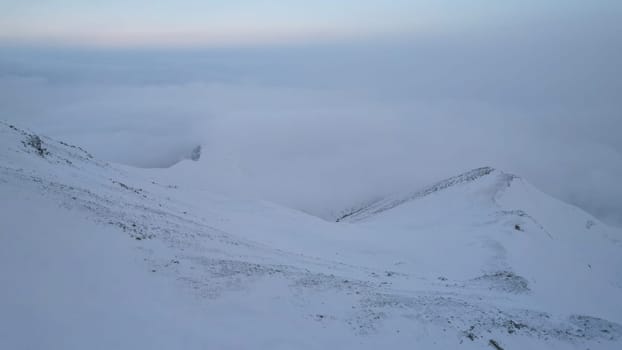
(323, 127)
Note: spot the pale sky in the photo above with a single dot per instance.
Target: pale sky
(223, 22)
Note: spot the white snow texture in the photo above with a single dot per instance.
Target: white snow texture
(95, 255)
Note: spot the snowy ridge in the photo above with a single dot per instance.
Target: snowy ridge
(44, 147)
(391, 202)
(410, 276)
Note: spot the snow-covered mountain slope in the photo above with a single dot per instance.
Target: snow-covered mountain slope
(96, 255)
(391, 202)
(496, 223)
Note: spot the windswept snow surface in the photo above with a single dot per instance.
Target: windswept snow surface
(97, 256)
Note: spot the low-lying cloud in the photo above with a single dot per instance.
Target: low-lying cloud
(322, 128)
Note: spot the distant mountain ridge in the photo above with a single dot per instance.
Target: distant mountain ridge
(391, 202)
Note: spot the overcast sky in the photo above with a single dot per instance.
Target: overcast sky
(322, 104)
(233, 22)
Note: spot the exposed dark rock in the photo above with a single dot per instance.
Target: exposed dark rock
(196, 153)
(35, 142)
(494, 344)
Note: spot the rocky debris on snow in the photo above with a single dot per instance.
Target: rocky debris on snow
(505, 281)
(35, 142)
